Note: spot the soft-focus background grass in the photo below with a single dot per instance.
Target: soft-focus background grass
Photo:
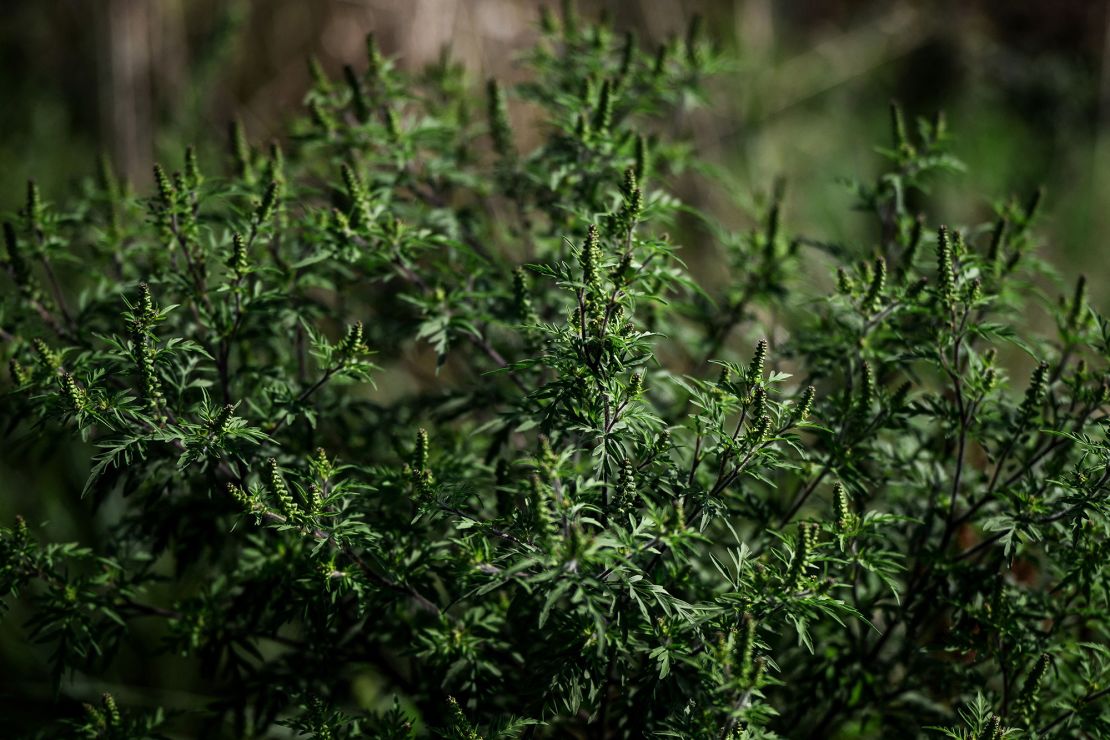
(1025, 85)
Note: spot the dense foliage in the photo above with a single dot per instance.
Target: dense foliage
(435, 400)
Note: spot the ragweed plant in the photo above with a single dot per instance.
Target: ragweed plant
(417, 408)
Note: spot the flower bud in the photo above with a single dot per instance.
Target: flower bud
(759, 402)
(166, 193)
(144, 309)
(755, 367)
(1034, 394)
(805, 404)
(497, 112)
(916, 288)
(14, 258)
(522, 300)
(352, 345)
(96, 717)
(20, 534)
(392, 123)
(315, 498)
(20, 375)
(281, 492)
(1077, 313)
(845, 519)
(974, 292)
(358, 97)
(590, 259)
(549, 23)
(898, 126)
(633, 198)
(244, 498)
(760, 429)
(899, 397)
(238, 261)
(321, 117)
(277, 167)
(374, 58)
(221, 423)
(760, 668)
(635, 385)
(358, 195)
(844, 282)
(945, 269)
(724, 377)
(319, 77)
(111, 710)
(866, 389)
(539, 509)
(1036, 675)
(240, 150)
(47, 357)
(662, 59)
(992, 730)
(799, 562)
(145, 366)
(266, 206)
(745, 648)
(74, 394)
(33, 211)
(420, 453)
(626, 485)
(603, 112)
(193, 177)
(875, 289)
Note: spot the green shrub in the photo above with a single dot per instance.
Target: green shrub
(424, 430)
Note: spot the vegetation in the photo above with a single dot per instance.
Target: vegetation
(623, 504)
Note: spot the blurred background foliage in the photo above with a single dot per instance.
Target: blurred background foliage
(1025, 86)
